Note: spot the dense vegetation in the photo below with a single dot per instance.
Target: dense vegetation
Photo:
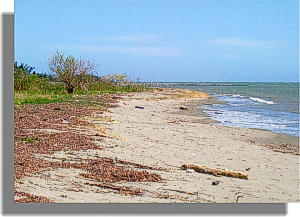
(69, 78)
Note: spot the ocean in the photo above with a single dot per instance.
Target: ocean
(271, 106)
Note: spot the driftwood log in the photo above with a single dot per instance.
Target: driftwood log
(215, 172)
(183, 108)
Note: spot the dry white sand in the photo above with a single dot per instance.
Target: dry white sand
(162, 135)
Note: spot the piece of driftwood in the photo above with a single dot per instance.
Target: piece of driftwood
(139, 107)
(215, 172)
(183, 108)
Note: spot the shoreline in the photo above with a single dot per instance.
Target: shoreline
(261, 105)
(197, 110)
(151, 129)
(279, 138)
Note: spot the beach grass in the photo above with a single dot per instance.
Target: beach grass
(25, 98)
(54, 92)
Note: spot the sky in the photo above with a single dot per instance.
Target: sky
(196, 40)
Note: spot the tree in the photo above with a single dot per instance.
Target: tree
(74, 73)
(24, 67)
(21, 75)
(116, 78)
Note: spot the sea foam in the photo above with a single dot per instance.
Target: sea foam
(262, 100)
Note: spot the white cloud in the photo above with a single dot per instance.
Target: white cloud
(238, 42)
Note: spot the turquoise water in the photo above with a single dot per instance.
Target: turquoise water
(271, 106)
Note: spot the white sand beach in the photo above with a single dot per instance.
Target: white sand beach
(160, 134)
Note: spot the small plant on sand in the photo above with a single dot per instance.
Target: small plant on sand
(29, 139)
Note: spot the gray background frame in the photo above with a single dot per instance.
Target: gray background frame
(8, 205)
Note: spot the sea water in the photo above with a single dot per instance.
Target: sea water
(270, 106)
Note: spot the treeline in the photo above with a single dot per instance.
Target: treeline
(70, 75)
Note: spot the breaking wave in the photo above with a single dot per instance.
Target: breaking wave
(262, 100)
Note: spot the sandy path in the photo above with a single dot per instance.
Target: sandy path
(162, 135)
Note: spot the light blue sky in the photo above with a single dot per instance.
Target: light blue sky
(204, 40)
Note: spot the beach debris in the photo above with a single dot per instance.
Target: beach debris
(172, 122)
(247, 169)
(120, 189)
(190, 171)
(30, 198)
(102, 135)
(65, 121)
(105, 119)
(215, 182)
(215, 172)
(284, 148)
(74, 189)
(106, 170)
(237, 198)
(139, 166)
(250, 140)
(139, 107)
(183, 108)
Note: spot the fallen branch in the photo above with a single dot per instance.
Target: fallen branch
(215, 172)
